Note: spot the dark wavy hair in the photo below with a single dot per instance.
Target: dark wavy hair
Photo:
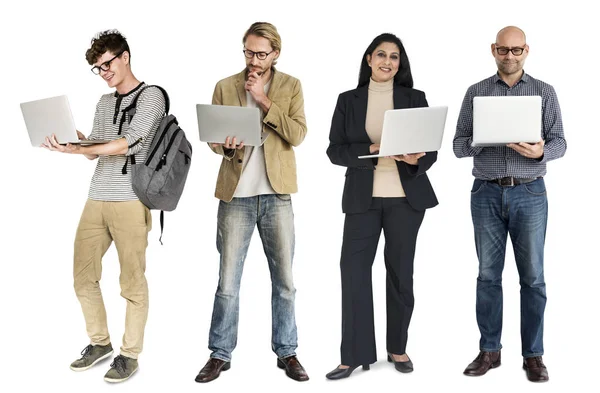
(402, 78)
(107, 41)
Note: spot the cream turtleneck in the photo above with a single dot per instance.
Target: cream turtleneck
(386, 181)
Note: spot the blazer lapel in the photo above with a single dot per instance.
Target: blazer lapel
(360, 112)
(275, 83)
(401, 101)
(239, 86)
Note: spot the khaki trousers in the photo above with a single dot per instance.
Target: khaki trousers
(127, 224)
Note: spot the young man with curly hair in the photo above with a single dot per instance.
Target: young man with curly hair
(113, 212)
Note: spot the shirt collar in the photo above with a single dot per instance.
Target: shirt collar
(129, 92)
(524, 78)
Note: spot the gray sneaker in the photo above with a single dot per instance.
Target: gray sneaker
(121, 368)
(91, 355)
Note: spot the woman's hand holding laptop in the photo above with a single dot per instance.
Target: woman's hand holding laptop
(374, 148)
(411, 159)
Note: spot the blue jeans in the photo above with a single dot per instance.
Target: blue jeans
(522, 212)
(274, 217)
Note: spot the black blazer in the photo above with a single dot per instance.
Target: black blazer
(348, 139)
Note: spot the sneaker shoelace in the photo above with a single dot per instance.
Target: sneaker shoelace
(119, 364)
(86, 351)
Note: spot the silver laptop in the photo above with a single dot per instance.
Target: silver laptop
(51, 116)
(506, 119)
(217, 122)
(412, 130)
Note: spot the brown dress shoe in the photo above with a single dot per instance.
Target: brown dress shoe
(482, 363)
(535, 368)
(293, 368)
(212, 369)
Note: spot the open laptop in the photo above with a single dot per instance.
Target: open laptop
(217, 122)
(506, 119)
(411, 130)
(51, 116)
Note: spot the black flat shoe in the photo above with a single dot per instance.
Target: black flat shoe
(403, 367)
(340, 373)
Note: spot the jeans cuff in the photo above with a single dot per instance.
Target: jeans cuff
(287, 356)
(490, 350)
(532, 355)
(223, 358)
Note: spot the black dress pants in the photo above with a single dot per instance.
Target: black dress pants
(400, 224)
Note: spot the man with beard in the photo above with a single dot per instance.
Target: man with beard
(509, 197)
(254, 187)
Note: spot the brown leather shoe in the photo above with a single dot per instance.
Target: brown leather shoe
(482, 363)
(293, 368)
(535, 368)
(212, 369)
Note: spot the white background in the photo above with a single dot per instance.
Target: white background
(186, 49)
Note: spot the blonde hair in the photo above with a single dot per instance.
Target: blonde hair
(265, 30)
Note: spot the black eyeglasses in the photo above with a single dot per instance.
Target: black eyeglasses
(502, 50)
(105, 66)
(259, 55)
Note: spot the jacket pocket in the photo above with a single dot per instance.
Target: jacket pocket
(287, 160)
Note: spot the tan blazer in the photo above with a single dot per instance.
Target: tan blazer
(286, 123)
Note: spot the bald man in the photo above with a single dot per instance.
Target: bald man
(509, 197)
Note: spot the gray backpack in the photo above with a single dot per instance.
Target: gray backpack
(158, 181)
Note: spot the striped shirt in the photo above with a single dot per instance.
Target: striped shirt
(109, 183)
(500, 161)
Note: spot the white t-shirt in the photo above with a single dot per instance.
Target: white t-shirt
(254, 180)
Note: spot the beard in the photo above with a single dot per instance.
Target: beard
(509, 67)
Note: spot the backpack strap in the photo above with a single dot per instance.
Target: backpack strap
(130, 109)
(162, 226)
(129, 112)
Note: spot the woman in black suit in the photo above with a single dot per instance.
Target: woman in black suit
(389, 193)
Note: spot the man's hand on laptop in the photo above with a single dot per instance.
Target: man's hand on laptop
(411, 159)
(81, 136)
(230, 143)
(374, 148)
(52, 144)
(528, 150)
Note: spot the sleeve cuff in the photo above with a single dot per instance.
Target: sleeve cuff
(133, 144)
(228, 153)
(271, 118)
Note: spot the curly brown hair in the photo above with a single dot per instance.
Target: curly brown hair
(107, 41)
